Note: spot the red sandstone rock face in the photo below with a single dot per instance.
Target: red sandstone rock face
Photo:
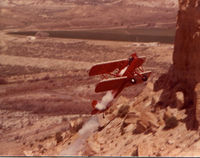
(197, 102)
(186, 55)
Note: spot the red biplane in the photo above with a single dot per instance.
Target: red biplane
(125, 73)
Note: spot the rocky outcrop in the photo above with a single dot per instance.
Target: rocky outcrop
(186, 55)
(197, 101)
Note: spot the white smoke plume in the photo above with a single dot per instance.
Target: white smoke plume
(88, 128)
(107, 98)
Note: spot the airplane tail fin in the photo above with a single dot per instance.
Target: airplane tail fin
(95, 110)
(94, 103)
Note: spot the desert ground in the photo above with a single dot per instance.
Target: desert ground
(46, 93)
(41, 91)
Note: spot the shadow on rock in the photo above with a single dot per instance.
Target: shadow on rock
(172, 88)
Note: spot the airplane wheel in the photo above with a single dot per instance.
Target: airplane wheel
(144, 78)
(133, 81)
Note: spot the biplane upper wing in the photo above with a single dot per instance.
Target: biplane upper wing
(111, 84)
(107, 67)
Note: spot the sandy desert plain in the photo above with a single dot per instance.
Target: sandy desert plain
(45, 90)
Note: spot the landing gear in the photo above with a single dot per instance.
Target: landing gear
(144, 78)
(133, 81)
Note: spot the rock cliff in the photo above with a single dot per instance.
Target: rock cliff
(187, 48)
(186, 57)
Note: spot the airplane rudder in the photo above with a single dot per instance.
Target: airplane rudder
(94, 103)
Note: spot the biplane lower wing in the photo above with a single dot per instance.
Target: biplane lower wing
(116, 83)
(107, 67)
(110, 84)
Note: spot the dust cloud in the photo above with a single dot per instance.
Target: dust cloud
(109, 96)
(88, 128)
(105, 101)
